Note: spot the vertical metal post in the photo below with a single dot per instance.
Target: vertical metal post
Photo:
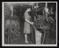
(44, 30)
(46, 7)
(35, 23)
(34, 40)
(11, 7)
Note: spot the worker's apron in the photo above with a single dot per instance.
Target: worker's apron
(26, 24)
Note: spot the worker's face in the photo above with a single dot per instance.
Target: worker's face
(35, 6)
(29, 9)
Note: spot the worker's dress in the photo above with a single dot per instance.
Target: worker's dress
(26, 24)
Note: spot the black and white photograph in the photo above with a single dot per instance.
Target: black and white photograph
(29, 23)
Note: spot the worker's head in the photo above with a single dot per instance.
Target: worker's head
(28, 9)
(36, 6)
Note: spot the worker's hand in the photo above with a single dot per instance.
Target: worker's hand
(32, 23)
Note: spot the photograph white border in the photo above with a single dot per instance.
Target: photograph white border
(28, 44)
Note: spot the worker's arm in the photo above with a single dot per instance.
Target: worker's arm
(29, 21)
